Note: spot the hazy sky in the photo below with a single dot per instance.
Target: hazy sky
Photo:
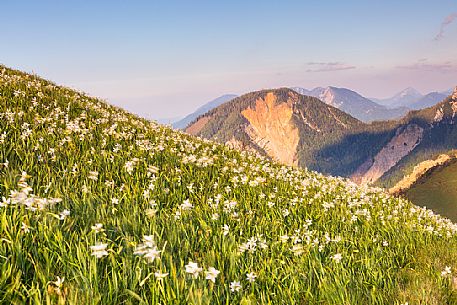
(165, 58)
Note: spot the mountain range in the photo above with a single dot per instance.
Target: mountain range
(413, 99)
(304, 131)
(349, 101)
(353, 103)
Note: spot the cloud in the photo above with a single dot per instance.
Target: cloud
(424, 65)
(446, 22)
(328, 66)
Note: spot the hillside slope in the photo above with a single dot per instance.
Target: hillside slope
(437, 190)
(101, 207)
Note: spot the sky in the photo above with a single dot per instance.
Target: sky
(163, 59)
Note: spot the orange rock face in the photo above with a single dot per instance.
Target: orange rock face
(271, 128)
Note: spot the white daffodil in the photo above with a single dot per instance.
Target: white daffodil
(235, 286)
(97, 228)
(59, 283)
(211, 274)
(225, 230)
(25, 228)
(446, 272)
(337, 257)
(99, 250)
(193, 269)
(152, 254)
(160, 276)
(148, 249)
(251, 277)
(186, 205)
(64, 214)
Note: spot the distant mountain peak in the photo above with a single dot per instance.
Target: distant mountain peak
(352, 103)
(404, 98)
(410, 91)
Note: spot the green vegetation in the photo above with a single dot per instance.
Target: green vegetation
(101, 207)
(437, 191)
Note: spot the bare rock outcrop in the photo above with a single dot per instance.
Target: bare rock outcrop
(405, 140)
(271, 127)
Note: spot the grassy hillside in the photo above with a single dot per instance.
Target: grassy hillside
(437, 190)
(101, 207)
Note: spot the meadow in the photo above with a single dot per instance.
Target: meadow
(102, 207)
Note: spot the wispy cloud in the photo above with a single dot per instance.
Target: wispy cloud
(446, 22)
(328, 66)
(423, 65)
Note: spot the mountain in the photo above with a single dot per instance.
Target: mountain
(419, 136)
(439, 135)
(181, 124)
(279, 123)
(428, 100)
(353, 103)
(402, 99)
(303, 131)
(447, 92)
(102, 207)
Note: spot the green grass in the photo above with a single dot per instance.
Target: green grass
(309, 239)
(438, 191)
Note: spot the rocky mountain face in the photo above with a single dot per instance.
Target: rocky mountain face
(353, 103)
(304, 131)
(271, 127)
